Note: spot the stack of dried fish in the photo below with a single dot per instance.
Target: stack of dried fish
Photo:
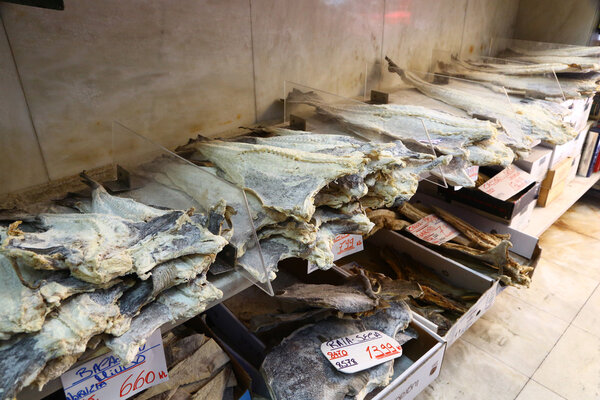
(524, 123)
(536, 86)
(198, 369)
(469, 141)
(303, 189)
(71, 277)
(485, 251)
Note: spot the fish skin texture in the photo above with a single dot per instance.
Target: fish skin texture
(80, 318)
(97, 248)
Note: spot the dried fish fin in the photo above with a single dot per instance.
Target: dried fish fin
(431, 296)
(345, 299)
(482, 239)
(497, 256)
(411, 212)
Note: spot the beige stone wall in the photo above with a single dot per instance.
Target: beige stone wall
(173, 69)
(557, 21)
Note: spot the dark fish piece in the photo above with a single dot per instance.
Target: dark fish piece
(320, 380)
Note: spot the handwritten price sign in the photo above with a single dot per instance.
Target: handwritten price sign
(343, 245)
(104, 378)
(358, 352)
(507, 183)
(432, 229)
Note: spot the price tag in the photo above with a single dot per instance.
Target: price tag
(104, 378)
(358, 352)
(507, 183)
(346, 244)
(473, 172)
(343, 245)
(432, 229)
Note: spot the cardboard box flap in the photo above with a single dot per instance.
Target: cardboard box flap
(523, 244)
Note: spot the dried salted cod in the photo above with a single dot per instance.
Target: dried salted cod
(324, 382)
(584, 64)
(490, 152)
(202, 186)
(567, 51)
(183, 301)
(523, 69)
(450, 134)
(23, 309)
(68, 333)
(523, 123)
(97, 248)
(285, 180)
(531, 86)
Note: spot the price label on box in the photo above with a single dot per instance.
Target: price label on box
(507, 183)
(361, 351)
(432, 229)
(105, 378)
(343, 245)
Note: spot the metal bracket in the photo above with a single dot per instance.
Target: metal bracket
(378, 97)
(123, 182)
(297, 123)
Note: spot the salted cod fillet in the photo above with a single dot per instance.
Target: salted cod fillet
(97, 248)
(285, 180)
(391, 173)
(584, 64)
(523, 122)
(544, 87)
(524, 69)
(80, 318)
(449, 134)
(319, 379)
(571, 51)
(180, 302)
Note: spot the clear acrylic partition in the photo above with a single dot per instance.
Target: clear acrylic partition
(506, 47)
(146, 173)
(545, 86)
(360, 125)
(402, 91)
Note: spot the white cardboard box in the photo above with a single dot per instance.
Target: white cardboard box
(580, 140)
(580, 112)
(559, 152)
(536, 163)
(428, 352)
(452, 272)
(574, 167)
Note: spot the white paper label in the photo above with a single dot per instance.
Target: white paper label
(346, 244)
(358, 352)
(432, 229)
(104, 378)
(473, 172)
(507, 183)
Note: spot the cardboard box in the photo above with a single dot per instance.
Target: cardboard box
(559, 152)
(501, 210)
(549, 194)
(451, 271)
(523, 244)
(574, 167)
(558, 174)
(428, 351)
(536, 163)
(580, 140)
(419, 365)
(521, 220)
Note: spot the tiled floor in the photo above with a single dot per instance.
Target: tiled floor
(542, 342)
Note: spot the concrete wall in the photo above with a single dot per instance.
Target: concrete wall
(173, 69)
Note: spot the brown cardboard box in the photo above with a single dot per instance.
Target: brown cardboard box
(557, 174)
(548, 194)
